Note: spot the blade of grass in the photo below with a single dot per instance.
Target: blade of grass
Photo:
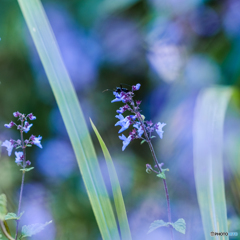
(207, 152)
(116, 189)
(72, 115)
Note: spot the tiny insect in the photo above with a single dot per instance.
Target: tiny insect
(119, 89)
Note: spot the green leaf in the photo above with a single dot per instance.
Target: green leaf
(27, 169)
(157, 224)
(162, 175)
(180, 225)
(116, 189)
(143, 141)
(72, 115)
(3, 206)
(208, 125)
(153, 136)
(29, 145)
(13, 216)
(30, 230)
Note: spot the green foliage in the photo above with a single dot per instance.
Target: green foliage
(72, 115)
(208, 166)
(116, 189)
(143, 141)
(162, 174)
(27, 169)
(3, 206)
(179, 225)
(12, 216)
(30, 230)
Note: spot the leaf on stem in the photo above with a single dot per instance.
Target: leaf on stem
(162, 174)
(13, 216)
(28, 231)
(179, 225)
(27, 169)
(143, 141)
(3, 206)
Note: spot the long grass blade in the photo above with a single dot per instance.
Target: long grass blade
(116, 189)
(72, 115)
(208, 167)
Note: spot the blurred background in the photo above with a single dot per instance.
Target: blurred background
(174, 48)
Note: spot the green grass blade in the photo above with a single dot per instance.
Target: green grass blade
(72, 115)
(207, 152)
(117, 193)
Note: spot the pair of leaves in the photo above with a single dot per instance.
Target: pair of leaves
(27, 169)
(179, 225)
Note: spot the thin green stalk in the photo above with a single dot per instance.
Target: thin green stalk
(160, 171)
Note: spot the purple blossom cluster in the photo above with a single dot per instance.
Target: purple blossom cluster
(142, 129)
(24, 126)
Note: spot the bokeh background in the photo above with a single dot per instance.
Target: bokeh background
(175, 49)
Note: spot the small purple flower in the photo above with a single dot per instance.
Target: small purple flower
(159, 130)
(11, 124)
(125, 140)
(31, 117)
(123, 122)
(19, 157)
(8, 145)
(139, 129)
(17, 114)
(36, 140)
(119, 97)
(136, 87)
(138, 102)
(27, 126)
(28, 163)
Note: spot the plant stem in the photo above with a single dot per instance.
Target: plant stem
(5, 231)
(160, 170)
(22, 184)
(19, 204)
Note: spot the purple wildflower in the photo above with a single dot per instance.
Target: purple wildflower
(11, 124)
(159, 130)
(19, 157)
(125, 140)
(31, 117)
(27, 126)
(36, 140)
(8, 145)
(136, 87)
(17, 114)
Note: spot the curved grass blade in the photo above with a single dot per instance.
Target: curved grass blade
(72, 115)
(117, 193)
(207, 152)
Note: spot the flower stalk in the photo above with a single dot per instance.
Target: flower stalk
(143, 130)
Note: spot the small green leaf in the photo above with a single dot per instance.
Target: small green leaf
(156, 224)
(27, 169)
(153, 136)
(13, 216)
(143, 141)
(29, 145)
(180, 225)
(28, 231)
(18, 147)
(162, 175)
(3, 206)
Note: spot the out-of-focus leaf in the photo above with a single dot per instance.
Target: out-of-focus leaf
(72, 115)
(116, 189)
(179, 225)
(157, 224)
(13, 216)
(207, 149)
(3, 206)
(30, 230)
(27, 169)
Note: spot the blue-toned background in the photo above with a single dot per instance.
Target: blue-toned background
(174, 49)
